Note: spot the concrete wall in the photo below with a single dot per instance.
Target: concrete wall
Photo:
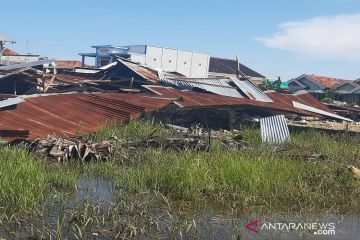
(6, 60)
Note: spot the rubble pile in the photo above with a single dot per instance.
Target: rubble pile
(345, 126)
(66, 149)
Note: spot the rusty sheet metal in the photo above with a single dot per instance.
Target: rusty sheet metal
(71, 114)
(70, 78)
(304, 97)
(144, 72)
(274, 129)
(281, 102)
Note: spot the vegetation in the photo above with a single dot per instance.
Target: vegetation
(272, 85)
(256, 179)
(329, 96)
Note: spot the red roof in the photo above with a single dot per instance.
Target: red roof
(68, 64)
(281, 102)
(327, 82)
(80, 113)
(70, 114)
(9, 52)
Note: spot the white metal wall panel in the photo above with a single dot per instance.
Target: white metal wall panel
(199, 65)
(274, 129)
(169, 59)
(184, 62)
(153, 56)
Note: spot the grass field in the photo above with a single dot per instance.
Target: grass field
(258, 179)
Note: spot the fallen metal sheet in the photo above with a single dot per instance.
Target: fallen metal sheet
(217, 86)
(251, 90)
(274, 129)
(319, 111)
(26, 65)
(10, 102)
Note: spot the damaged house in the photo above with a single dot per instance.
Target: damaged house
(66, 98)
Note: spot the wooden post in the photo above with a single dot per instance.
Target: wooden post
(43, 84)
(131, 82)
(15, 87)
(231, 118)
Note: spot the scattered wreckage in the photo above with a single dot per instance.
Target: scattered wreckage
(37, 102)
(85, 149)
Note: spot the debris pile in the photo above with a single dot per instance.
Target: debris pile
(355, 171)
(345, 126)
(62, 149)
(66, 149)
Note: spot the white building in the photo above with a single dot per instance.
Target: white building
(189, 63)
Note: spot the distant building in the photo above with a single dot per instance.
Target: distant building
(4, 39)
(188, 63)
(220, 67)
(313, 83)
(345, 90)
(8, 56)
(349, 91)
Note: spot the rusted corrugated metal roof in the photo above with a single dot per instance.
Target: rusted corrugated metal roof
(281, 102)
(141, 71)
(70, 114)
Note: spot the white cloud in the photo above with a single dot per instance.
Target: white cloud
(335, 37)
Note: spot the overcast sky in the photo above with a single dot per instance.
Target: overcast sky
(276, 38)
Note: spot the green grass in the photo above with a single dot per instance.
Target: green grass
(24, 180)
(254, 180)
(130, 131)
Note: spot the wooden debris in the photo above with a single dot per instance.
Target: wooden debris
(61, 149)
(355, 171)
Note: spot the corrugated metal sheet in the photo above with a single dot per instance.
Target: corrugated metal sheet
(11, 101)
(251, 90)
(67, 78)
(26, 65)
(191, 99)
(319, 111)
(70, 114)
(144, 72)
(217, 86)
(300, 92)
(274, 129)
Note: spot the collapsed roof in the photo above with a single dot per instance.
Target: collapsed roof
(66, 111)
